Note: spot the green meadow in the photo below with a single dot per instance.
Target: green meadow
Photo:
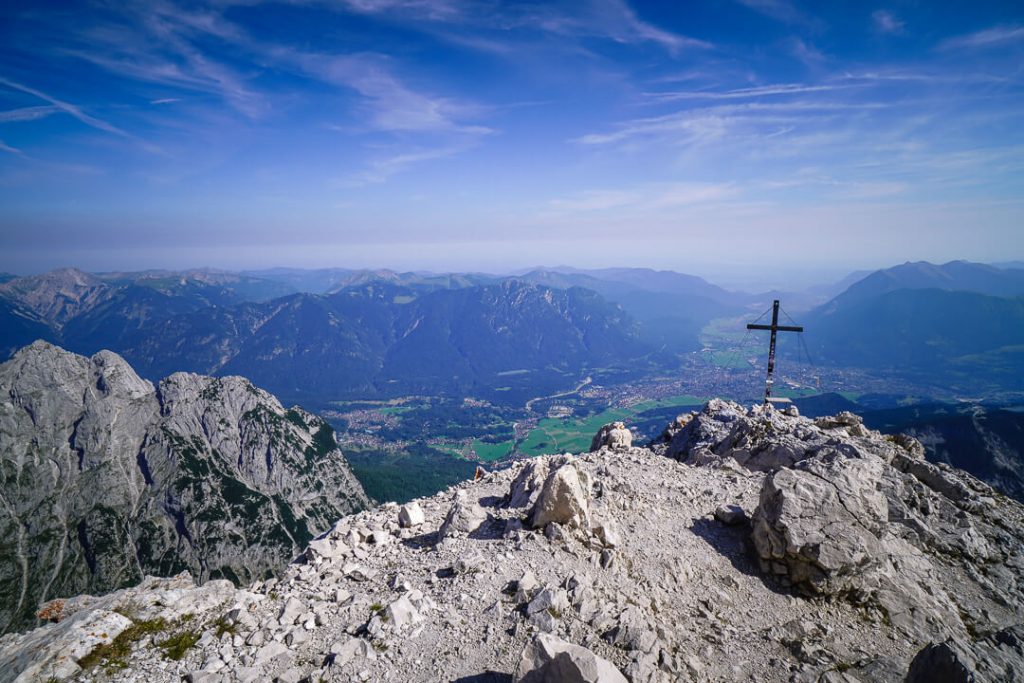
(570, 434)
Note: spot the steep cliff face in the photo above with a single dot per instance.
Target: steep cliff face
(767, 547)
(105, 478)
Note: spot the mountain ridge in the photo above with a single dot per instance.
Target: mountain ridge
(106, 477)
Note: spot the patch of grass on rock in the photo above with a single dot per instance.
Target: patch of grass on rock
(114, 655)
(177, 645)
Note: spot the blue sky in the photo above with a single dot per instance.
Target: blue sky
(451, 134)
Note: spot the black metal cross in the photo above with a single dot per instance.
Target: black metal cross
(775, 327)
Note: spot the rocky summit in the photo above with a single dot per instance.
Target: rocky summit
(745, 545)
(105, 478)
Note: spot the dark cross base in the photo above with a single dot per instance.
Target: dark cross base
(774, 327)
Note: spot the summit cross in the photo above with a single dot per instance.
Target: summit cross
(775, 328)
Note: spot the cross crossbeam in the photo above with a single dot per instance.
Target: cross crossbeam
(775, 328)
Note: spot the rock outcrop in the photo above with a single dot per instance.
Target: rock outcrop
(765, 439)
(614, 436)
(878, 564)
(847, 511)
(992, 657)
(105, 478)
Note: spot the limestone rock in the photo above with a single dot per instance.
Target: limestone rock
(730, 515)
(291, 611)
(614, 436)
(549, 599)
(562, 500)
(896, 552)
(607, 534)
(633, 632)
(126, 478)
(765, 439)
(819, 527)
(402, 613)
(464, 516)
(527, 485)
(549, 659)
(53, 651)
(410, 515)
(352, 649)
(526, 587)
(993, 657)
(848, 522)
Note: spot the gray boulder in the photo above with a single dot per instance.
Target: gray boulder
(464, 516)
(548, 659)
(818, 528)
(993, 657)
(613, 435)
(52, 652)
(562, 500)
(410, 515)
(865, 518)
(526, 487)
(633, 631)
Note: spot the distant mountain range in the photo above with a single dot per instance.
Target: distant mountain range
(958, 324)
(392, 334)
(362, 333)
(955, 276)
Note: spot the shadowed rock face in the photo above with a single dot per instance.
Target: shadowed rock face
(105, 478)
(992, 657)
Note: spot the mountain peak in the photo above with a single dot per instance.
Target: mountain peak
(768, 544)
(58, 295)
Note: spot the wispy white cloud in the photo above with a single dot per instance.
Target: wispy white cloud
(681, 194)
(158, 42)
(4, 147)
(438, 10)
(614, 20)
(707, 124)
(392, 105)
(990, 37)
(67, 108)
(684, 126)
(176, 60)
(644, 197)
(382, 169)
(885, 21)
(744, 93)
(623, 25)
(596, 200)
(872, 190)
(167, 54)
(27, 113)
(780, 10)
(805, 52)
